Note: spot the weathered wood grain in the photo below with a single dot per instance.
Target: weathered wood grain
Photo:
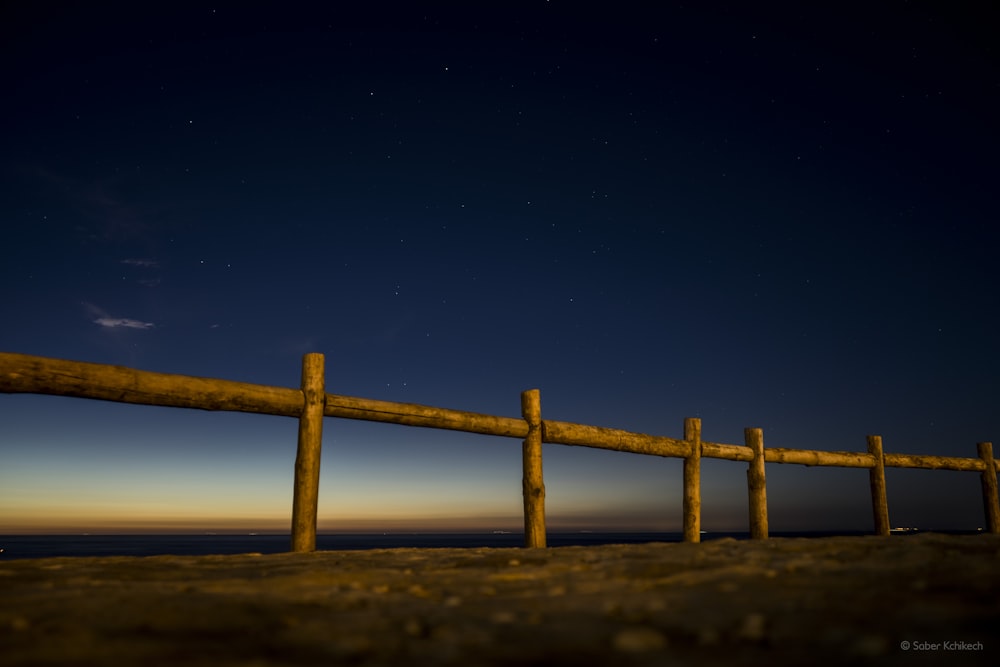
(991, 498)
(412, 414)
(934, 462)
(532, 483)
(757, 484)
(22, 373)
(876, 479)
(691, 504)
(305, 498)
(567, 433)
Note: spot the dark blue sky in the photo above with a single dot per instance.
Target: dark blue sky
(778, 216)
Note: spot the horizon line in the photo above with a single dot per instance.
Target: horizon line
(565, 531)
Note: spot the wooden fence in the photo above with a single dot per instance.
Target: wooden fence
(21, 373)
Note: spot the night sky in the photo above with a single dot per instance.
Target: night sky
(773, 216)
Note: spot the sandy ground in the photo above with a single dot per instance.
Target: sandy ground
(868, 600)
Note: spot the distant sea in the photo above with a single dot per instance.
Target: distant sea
(47, 546)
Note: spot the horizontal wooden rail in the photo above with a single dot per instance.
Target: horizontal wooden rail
(934, 462)
(411, 414)
(567, 433)
(22, 373)
(808, 457)
(719, 450)
(812, 457)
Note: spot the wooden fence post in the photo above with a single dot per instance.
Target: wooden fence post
(876, 477)
(532, 483)
(756, 484)
(305, 499)
(692, 481)
(991, 502)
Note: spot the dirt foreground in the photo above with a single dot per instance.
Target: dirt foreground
(924, 599)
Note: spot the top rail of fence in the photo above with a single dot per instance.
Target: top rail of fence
(22, 373)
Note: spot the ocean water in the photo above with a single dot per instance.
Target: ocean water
(46, 546)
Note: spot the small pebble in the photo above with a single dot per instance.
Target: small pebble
(656, 605)
(752, 627)
(414, 627)
(502, 617)
(639, 640)
(19, 624)
(870, 645)
(352, 647)
(708, 636)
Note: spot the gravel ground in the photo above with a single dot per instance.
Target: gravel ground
(888, 601)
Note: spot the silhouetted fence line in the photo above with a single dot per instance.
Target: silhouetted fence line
(20, 373)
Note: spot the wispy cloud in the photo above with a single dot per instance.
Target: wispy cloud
(103, 319)
(122, 323)
(143, 263)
